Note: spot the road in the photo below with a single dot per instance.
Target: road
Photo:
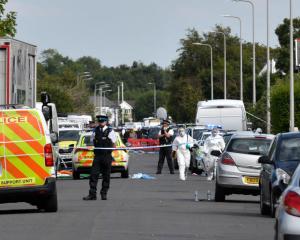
(161, 209)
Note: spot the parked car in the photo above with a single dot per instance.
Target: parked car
(84, 155)
(287, 224)
(279, 165)
(238, 168)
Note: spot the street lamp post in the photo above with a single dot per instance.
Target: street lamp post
(154, 97)
(292, 100)
(241, 55)
(95, 92)
(268, 71)
(85, 75)
(101, 87)
(211, 68)
(253, 48)
(225, 63)
(108, 90)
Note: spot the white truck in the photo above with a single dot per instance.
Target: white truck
(17, 72)
(230, 114)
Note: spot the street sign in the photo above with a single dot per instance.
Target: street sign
(297, 55)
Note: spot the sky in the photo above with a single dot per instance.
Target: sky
(122, 31)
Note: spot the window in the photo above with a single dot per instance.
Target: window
(249, 146)
(289, 150)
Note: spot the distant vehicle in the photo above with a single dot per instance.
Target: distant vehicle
(278, 166)
(67, 139)
(83, 120)
(27, 159)
(238, 168)
(18, 77)
(84, 155)
(230, 114)
(287, 224)
(151, 122)
(196, 132)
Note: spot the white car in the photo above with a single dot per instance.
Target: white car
(288, 212)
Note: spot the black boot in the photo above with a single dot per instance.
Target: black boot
(103, 196)
(89, 197)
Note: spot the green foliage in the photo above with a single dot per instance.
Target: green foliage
(58, 76)
(7, 22)
(283, 34)
(280, 105)
(192, 68)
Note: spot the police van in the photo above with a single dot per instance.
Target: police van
(27, 159)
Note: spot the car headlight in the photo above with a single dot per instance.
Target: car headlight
(282, 175)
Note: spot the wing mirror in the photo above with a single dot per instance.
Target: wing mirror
(264, 160)
(54, 137)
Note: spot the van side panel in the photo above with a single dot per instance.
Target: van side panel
(228, 118)
(22, 141)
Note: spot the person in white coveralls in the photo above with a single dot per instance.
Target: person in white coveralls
(213, 142)
(182, 144)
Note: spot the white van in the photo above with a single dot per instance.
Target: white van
(230, 114)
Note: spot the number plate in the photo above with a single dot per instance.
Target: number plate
(251, 180)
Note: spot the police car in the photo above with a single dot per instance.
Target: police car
(83, 156)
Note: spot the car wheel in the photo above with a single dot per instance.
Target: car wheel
(273, 201)
(219, 193)
(264, 209)
(75, 174)
(125, 174)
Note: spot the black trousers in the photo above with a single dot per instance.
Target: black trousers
(165, 152)
(101, 164)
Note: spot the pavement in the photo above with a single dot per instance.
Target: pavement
(160, 209)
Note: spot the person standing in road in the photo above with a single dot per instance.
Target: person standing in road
(103, 137)
(213, 142)
(182, 144)
(165, 136)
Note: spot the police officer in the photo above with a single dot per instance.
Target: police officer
(165, 136)
(103, 137)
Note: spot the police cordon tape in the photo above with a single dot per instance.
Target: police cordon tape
(128, 148)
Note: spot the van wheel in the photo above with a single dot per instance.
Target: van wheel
(125, 174)
(75, 174)
(49, 204)
(219, 193)
(264, 209)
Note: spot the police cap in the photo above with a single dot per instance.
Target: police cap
(166, 122)
(102, 118)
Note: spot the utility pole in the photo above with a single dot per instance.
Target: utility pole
(292, 98)
(268, 72)
(122, 98)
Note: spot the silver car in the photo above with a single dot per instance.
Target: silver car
(288, 212)
(238, 170)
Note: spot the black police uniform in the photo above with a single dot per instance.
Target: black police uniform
(165, 152)
(102, 163)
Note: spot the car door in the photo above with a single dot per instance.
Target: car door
(266, 173)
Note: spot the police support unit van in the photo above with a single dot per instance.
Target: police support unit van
(26, 159)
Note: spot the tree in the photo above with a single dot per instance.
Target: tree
(280, 96)
(192, 68)
(7, 22)
(283, 34)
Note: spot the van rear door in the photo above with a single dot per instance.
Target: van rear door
(22, 145)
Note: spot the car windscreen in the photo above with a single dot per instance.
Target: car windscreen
(88, 141)
(255, 146)
(289, 150)
(197, 134)
(153, 133)
(68, 135)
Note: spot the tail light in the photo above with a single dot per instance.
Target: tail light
(227, 160)
(292, 203)
(49, 161)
